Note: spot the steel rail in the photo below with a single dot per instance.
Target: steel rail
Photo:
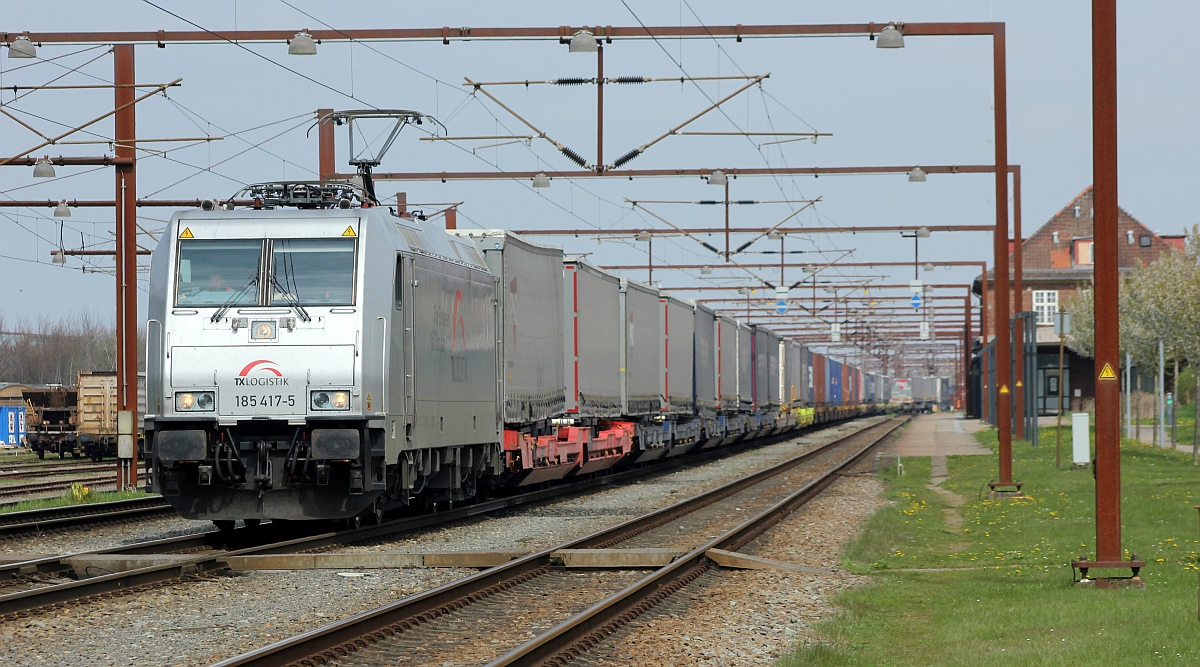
(326, 643)
(267, 540)
(55, 470)
(572, 638)
(70, 515)
(57, 485)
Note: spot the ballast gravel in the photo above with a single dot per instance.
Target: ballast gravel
(200, 622)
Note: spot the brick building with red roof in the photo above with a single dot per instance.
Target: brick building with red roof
(1057, 262)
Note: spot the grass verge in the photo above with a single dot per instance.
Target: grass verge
(69, 499)
(990, 581)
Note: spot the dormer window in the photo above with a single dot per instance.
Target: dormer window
(1083, 252)
(1144, 241)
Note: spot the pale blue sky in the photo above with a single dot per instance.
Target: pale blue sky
(929, 103)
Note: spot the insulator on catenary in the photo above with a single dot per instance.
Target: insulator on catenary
(572, 81)
(630, 79)
(627, 157)
(573, 156)
(709, 202)
(745, 245)
(745, 201)
(710, 247)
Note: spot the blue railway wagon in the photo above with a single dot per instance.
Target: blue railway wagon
(12, 425)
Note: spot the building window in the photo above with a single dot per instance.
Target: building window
(1083, 252)
(1045, 304)
(1144, 241)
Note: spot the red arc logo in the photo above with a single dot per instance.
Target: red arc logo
(260, 364)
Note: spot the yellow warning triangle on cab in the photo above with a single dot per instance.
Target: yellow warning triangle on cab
(349, 231)
(1003, 389)
(186, 233)
(1107, 373)
(1019, 383)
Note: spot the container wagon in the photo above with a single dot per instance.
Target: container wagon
(51, 420)
(97, 432)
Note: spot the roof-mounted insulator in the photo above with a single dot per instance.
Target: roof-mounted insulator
(627, 157)
(630, 79)
(572, 81)
(573, 156)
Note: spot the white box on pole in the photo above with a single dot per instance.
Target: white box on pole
(1081, 450)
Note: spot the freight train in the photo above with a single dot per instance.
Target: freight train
(317, 357)
(922, 394)
(80, 420)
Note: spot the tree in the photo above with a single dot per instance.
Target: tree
(55, 351)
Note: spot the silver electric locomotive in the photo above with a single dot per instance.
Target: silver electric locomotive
(310, 358)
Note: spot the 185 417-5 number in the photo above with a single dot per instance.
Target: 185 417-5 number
(264, 400)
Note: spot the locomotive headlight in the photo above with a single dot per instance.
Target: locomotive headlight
(262, 330)
(197, 401)
(330, 400)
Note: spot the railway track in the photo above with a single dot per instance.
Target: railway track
(551, 606)
(16, 490)
(33, 586)
(53, 518)
(40, 470)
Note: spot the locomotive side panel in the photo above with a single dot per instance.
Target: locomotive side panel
(453, 356)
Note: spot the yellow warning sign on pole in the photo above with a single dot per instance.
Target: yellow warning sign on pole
(1003, 389)
(1107, 373)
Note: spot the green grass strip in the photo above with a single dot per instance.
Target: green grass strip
(69, 499)
(990, 581)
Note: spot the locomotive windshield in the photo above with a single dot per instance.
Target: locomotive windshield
(212, 273)
(313, 272)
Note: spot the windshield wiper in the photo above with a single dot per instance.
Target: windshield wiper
(233, 298)
(292, 300)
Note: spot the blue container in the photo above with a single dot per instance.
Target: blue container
(833, 376)
(12, 425)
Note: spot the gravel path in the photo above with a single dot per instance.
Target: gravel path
(202, 622)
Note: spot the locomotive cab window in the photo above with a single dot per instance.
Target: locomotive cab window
(312, 272)
(212, 273)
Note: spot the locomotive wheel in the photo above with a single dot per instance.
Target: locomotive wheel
(224, 525)
(253, 523)
(377, 512)
(41, 454)
(353, 523)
